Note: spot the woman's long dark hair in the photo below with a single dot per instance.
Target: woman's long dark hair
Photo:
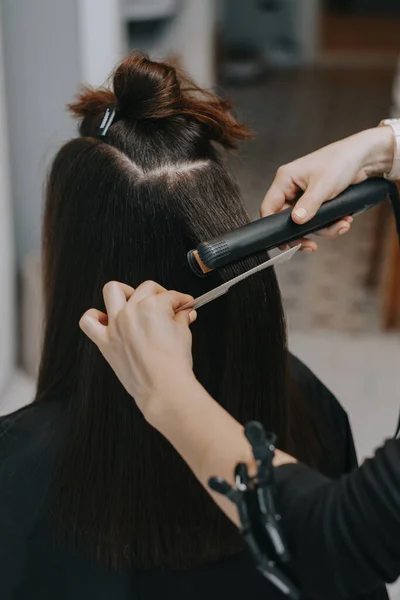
(128, 208)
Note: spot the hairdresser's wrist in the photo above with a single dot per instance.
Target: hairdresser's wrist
(379, 153)
(168, 396)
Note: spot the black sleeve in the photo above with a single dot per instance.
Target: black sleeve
(343, 535)
(350, 456)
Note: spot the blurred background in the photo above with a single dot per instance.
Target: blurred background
(302, 73)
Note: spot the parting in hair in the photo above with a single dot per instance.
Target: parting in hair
(128, 208)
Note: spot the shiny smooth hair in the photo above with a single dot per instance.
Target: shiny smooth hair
(129, 207)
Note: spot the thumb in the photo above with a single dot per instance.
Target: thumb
(186, 317)
(309, 203)
(92, 324)
(283, 189)
(274, 201)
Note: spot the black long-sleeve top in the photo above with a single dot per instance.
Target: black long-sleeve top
(34, 567)
(344, 535)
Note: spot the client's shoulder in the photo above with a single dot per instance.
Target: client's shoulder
(316, 392)
(330, 419)
(31, 428)
(33, 414)
(30, 442)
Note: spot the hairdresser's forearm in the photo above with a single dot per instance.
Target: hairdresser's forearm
(343, 535)
(202, 432)
(207, 437)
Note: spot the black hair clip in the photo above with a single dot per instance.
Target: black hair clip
(263, 445)
(107, 121)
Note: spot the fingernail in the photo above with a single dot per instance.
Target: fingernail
(343, 230)
(192, 316)
(309, 250)
(301, 213)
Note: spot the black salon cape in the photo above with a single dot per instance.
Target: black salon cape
(32, 567)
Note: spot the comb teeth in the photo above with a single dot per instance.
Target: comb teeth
(222, 289)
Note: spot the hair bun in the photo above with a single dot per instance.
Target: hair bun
(145, 89)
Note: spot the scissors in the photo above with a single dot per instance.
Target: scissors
(225, 287)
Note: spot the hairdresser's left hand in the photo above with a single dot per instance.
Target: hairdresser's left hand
(145, 341)
(325, 173)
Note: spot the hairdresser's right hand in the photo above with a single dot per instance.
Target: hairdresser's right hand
(143, 337)
(324, 174)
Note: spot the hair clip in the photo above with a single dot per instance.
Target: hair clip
(263, 512)
(107, 121)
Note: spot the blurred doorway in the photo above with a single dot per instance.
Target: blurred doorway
(360, 32)
(377, 8)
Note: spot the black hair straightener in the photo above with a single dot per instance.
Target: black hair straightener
(280, 229)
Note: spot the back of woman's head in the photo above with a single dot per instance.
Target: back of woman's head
(128, 207)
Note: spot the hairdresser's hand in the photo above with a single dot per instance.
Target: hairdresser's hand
(325, 173)
(143, 338)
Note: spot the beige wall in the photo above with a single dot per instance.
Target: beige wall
(50, 47)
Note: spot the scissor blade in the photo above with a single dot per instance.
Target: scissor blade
(223, 289)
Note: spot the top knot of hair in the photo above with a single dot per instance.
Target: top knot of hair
(146, 89)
